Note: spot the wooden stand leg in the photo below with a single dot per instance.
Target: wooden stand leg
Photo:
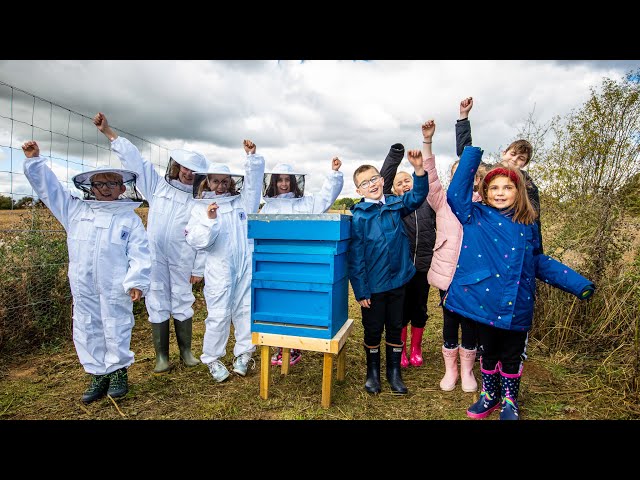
(341, 366)
(327, 369)
(286, 357)
(265, 361)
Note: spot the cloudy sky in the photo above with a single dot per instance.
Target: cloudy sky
(302, 113)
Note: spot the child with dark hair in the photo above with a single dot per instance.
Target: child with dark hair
(284, 193)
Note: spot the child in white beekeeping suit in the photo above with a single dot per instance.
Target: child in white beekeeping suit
(109, 265)
(283, 192)
(176, 266)
(218, 226)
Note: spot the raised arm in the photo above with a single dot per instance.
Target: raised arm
(437, 196)
(253, 171)
(139, 271)
(460, 190)
(331, 188)
(390, 166)
(61, 203)
(130, 158)
(416, 196)
(463, 127)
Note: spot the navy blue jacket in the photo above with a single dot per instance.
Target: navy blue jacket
(379, 257)
(495, 281)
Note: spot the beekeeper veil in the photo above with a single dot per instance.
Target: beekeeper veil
(108, 184)
(283, 182)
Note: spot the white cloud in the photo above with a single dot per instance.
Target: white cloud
(306, 113)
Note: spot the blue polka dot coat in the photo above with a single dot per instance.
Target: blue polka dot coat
(495, 279)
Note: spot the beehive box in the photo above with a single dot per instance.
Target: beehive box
(300, 283)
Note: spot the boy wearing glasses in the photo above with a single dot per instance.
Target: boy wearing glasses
(380, 264)
(109, 265)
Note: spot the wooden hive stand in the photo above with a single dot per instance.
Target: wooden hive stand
(330, 347)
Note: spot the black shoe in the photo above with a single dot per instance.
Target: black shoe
(118, 383)
(97, 388)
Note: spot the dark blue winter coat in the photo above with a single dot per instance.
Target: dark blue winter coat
(379, 256)
(495, 280)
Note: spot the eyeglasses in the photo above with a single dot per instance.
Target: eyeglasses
(371, 181)
(108, 184)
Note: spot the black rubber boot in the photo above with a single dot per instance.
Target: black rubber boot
(161, 345)
(372, 385)
(184, 333)
(394, 376)
(96, 389)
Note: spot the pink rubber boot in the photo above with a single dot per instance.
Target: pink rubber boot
(450, 378)
(468, 380)
(404, 361)
(416, 346)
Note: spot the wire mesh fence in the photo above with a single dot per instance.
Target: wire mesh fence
(35, 299)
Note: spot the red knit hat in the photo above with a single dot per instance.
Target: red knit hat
(504, 172)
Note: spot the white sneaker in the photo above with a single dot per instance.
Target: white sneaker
(218, 371)
(241, 363)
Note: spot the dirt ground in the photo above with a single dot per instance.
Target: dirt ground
(48, 386)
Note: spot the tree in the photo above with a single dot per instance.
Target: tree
(24, 202)
(594, 154)
(6, 203)
(343, 204)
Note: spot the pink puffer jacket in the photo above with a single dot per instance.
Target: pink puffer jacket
(448, 230)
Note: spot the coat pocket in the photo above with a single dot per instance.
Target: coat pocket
(475, 277)
(439, 243)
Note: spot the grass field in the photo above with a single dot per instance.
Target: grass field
(48, 384)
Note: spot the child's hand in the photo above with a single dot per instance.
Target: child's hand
(465, 107)
(415, 158)
(366, 303)
(31, 149)
(212, 211)
(336, 163)
(195, 279)
(428, 129)
(100, 121)
(249, 146)
(135, 294)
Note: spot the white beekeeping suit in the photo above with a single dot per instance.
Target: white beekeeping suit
(170, 204)
(290, 203)
(108, 256)
(289, 198)
(228, 266)
(174, 261)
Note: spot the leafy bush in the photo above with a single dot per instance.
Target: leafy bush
(35, 299)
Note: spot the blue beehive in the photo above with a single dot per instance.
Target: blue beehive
(300, 282)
